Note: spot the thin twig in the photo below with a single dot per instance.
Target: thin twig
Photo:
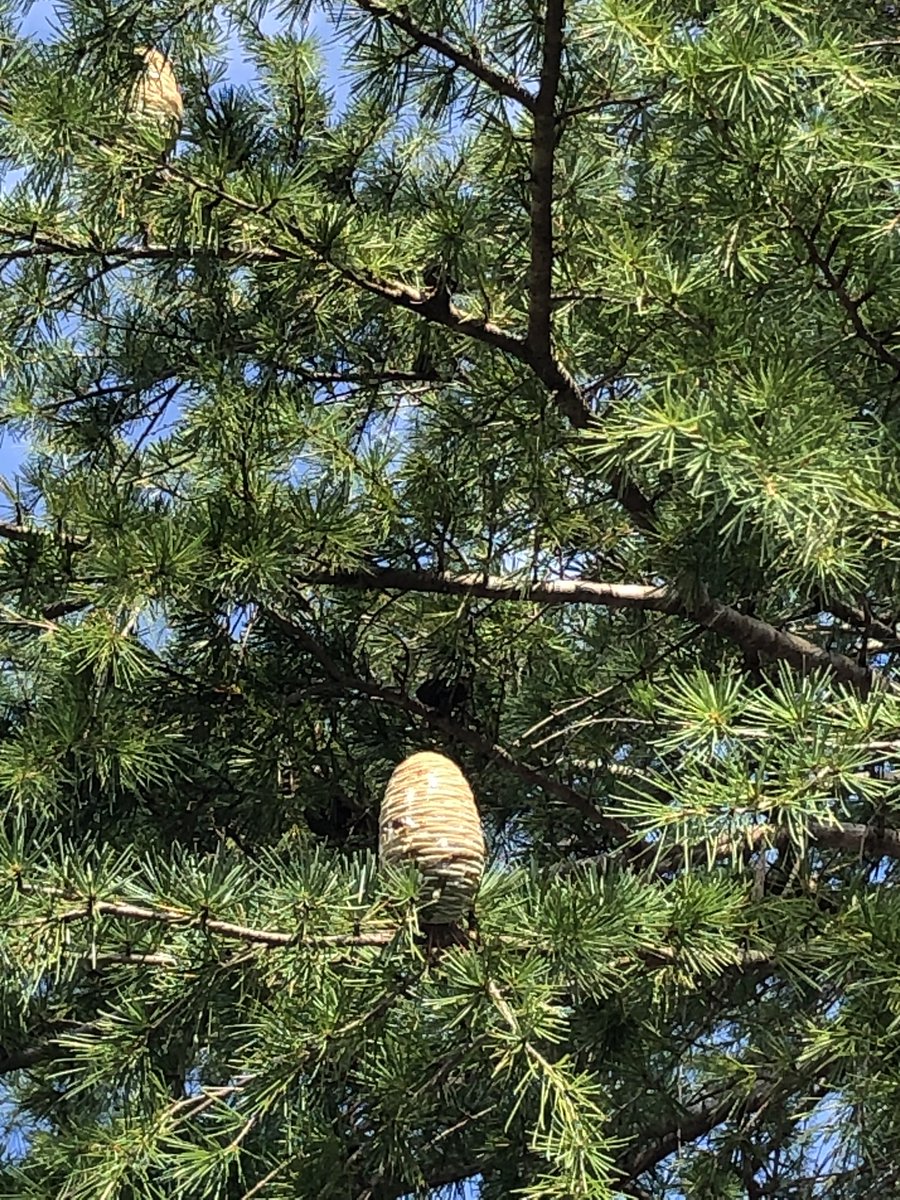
(471, 60)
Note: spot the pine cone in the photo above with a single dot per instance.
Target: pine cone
(429, 819)
(155, 96)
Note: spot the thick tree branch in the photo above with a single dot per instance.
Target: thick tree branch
(543, 150)
(501, 587)
(700, 1120)
(745, 631)
(471, 60)
(753, 634)
(853, 837)
(858, 839)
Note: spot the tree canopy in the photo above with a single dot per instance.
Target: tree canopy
(513, 379)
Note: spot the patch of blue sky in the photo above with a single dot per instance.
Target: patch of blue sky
(15, 1133)
(13, 452)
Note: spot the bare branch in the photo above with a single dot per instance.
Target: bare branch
(21, 1060)
(697, 1122)
(745, 631)
(500, 587)
(132, 959)
(856, 617)
(64, 608)
(19, 533)
(860, 840)
(543, 150)
(435, 1180)
(12, 531)
(598, 106)
(471, 60)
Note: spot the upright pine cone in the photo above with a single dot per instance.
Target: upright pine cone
(156, 96)
(429, 819)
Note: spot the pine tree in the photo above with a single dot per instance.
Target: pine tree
(531, 397)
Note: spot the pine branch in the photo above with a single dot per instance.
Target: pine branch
(835, 282)
(543, 150)
(89, 910)
(33, 243)
(436, 308)
(698, 1122)
(748, 632)
(426, 305)
(13, 531)
(471, 60)
(854, 837)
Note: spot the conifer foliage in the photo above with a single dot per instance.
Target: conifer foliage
(516, 380)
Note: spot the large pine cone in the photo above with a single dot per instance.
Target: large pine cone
(429, 819)
(156, 96)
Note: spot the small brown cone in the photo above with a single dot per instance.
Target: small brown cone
(156, 96)
(429, 820)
